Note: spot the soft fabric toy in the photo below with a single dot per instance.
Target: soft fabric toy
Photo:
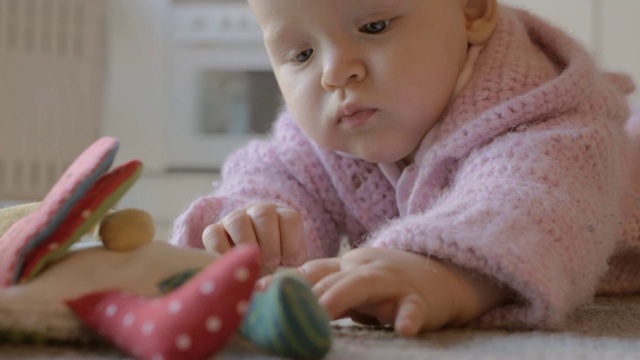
(151, 299)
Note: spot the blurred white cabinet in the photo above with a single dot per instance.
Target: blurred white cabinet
(575, 16)
(620, 38)
(609, 28)
(135, 107)
(135, 95)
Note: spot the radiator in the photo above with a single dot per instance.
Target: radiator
(52, 75)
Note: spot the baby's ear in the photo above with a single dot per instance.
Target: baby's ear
(482, 18)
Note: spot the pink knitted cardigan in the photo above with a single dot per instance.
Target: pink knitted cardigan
(528, 181)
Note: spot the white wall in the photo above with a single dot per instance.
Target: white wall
(135, 104)
(576, 16)
(620, 38)
(609, 28)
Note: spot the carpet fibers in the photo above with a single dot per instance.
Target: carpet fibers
(607, 329)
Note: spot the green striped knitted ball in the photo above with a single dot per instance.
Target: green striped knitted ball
(287, 319)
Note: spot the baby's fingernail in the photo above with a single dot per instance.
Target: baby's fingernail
(261, 284)
(272, 262)
(281, 209)
(302, 257)
(290, 261)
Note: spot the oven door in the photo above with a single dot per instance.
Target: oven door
(221, 90)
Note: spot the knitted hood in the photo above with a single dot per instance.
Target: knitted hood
(528, 72)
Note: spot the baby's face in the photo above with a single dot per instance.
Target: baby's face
(365, 77)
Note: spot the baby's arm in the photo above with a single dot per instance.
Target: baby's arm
(542, 220)
(410, 291)
(285, 172)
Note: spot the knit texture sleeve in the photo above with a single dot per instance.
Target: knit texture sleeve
(284, 170)
(536, 209)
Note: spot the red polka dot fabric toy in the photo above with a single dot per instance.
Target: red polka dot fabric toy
(76, 202)
(151, 299)
(192, 322)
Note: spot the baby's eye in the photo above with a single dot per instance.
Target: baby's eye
(303, 56)
(375, 27)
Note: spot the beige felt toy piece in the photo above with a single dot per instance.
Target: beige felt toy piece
(9, 215)
(38, 307)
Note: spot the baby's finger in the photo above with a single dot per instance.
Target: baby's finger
(263, 282)
(216, 239)
(327, 282)
(293, 249)
(315, 270)
(356, 290)
(264, 220)
(266, 280)
(239, 228)
(411, 316)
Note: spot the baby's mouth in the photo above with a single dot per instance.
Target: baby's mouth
(358, 120)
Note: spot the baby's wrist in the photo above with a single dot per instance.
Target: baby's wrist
(474, 294)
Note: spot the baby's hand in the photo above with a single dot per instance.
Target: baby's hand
(277, 230)
(407, 290)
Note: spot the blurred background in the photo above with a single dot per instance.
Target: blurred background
(180, 83)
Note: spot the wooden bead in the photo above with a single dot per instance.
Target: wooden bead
(126, 230)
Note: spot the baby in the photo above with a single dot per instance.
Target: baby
(474, 157)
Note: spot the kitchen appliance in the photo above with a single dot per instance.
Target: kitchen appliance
(221, 90)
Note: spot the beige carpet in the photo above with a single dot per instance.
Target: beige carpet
(608, 329)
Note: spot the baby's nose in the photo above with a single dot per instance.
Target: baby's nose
(342, 68)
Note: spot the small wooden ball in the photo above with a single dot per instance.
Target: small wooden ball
(126, 230)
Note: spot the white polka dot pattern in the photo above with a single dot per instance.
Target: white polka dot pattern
(128, 320)
(111, 310)
(174, 307)
(147, 328)
(242, 274)
(213, 324)
(193, 321)
(207, 288)
(183, 342)
(242, 307)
